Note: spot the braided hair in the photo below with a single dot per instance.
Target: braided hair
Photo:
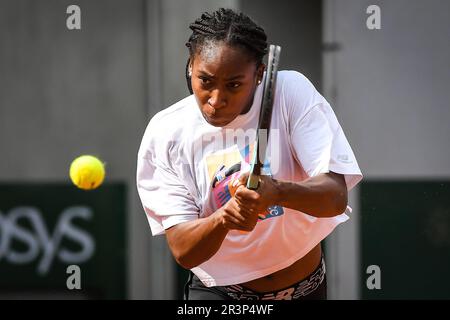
(232, 28)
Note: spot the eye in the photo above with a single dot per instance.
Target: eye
(234, 85)
(204, 80)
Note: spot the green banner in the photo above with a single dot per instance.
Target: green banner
(45, 228)
(405, 235)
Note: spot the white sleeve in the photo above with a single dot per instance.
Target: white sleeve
(163, 194)
(317, 138)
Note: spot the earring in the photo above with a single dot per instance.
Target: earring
(259, 81)
(190, 73)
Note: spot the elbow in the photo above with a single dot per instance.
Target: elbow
(338, 196)
(342, 205)
(339, 203)
(181, 251)
(335, 205)
(185, 262)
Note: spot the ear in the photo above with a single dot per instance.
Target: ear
(190, 67)
(260, 72)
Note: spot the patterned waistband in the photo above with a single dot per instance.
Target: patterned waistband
(296, 291)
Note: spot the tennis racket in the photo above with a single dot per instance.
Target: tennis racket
(265, 116)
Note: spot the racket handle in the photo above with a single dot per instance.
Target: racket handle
(253, 181)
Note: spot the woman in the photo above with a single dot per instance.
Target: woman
(192, 164)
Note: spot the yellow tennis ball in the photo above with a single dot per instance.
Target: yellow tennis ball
(87, 172)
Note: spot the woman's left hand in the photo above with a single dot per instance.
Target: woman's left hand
(260, 199)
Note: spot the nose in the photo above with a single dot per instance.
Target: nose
(217, 99)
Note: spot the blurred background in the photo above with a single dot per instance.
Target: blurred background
(65, 92)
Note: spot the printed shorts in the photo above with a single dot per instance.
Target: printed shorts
(313, 287)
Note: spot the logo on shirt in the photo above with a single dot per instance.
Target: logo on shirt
(344, 158)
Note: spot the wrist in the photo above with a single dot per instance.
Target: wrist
(278, 192)
(217, 220)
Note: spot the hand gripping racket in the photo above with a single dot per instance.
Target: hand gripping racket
(265, 116)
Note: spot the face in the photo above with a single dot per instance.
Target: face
(224, 80)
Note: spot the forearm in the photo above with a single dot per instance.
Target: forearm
(194, 242)
(321, 196)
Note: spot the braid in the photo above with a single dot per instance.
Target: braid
(232, 28)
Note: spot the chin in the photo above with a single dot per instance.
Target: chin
(217, 122)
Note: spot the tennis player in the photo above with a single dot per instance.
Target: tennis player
(194, 159)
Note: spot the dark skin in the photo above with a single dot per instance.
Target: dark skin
(224, 80)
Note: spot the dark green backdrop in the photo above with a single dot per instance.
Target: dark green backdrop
(102, 272)
(405, 230)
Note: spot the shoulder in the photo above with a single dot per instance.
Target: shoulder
(294, 82)
(167, 126)
(297, 93)
(175, 116)
(292, 75)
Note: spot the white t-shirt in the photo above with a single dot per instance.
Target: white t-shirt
(185, 165)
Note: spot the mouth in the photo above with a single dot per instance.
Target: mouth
(215, 119)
